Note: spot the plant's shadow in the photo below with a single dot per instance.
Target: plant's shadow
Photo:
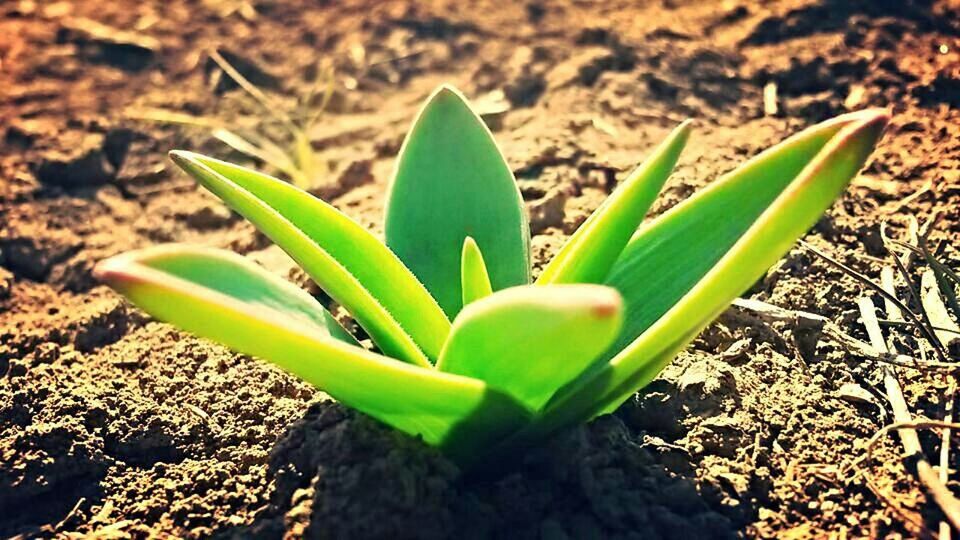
(339, 474)
(33, 511)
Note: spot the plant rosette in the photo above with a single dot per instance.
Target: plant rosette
(471, 355)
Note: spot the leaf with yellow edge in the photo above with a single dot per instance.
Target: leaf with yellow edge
(769, 232)
(345, 259)
(590, 253)
(223, 297)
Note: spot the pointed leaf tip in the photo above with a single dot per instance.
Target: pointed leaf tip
(872, 114)
(473, 273)
(447, 90)
(715, 245)
(875, 121)
(180, 157)
(592, 251)
(106, 270)
(450, 182)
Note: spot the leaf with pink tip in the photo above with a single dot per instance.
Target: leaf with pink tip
(530, 341)
(226, 298)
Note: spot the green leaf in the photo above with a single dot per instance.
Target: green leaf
(530, 341)
(228, 299)
(669, 255)
(231, 275)
(348, 262)
(591, 252)
(767, 239)
(473, 273)
(768, 232)
(452, 182)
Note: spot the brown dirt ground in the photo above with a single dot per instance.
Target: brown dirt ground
(114, 424)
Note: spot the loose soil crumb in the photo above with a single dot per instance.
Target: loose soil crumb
(116, 425)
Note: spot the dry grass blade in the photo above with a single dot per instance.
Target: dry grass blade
(933, 283)
(903, 267)
(941, 273)
(299, 164)
(165, 116)
(889, 322)
(303, 167)
(901, 413)
(770, 312)
(268, 104)
(263, 150)
(924, 328)
(887, 282)
(936, 309)
(913, 288)
(935, 313)
(916, 232)
(947, 271)
(328, 81)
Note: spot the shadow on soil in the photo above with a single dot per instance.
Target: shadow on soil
(338, 474)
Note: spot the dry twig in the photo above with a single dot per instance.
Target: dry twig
(925, 472)
(830, 330)
(945, 446)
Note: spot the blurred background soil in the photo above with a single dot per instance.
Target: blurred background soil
(114, 424)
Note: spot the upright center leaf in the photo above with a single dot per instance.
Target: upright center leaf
(452, 182)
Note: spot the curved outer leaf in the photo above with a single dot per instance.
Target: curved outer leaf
(473, 273)
(673, 252)
(263, 318)
(348, 262)
(779, 225)
(530, 341)
(452, 182)
(591, 252)
(234, 276)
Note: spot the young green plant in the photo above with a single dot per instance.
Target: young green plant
(469, 354)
